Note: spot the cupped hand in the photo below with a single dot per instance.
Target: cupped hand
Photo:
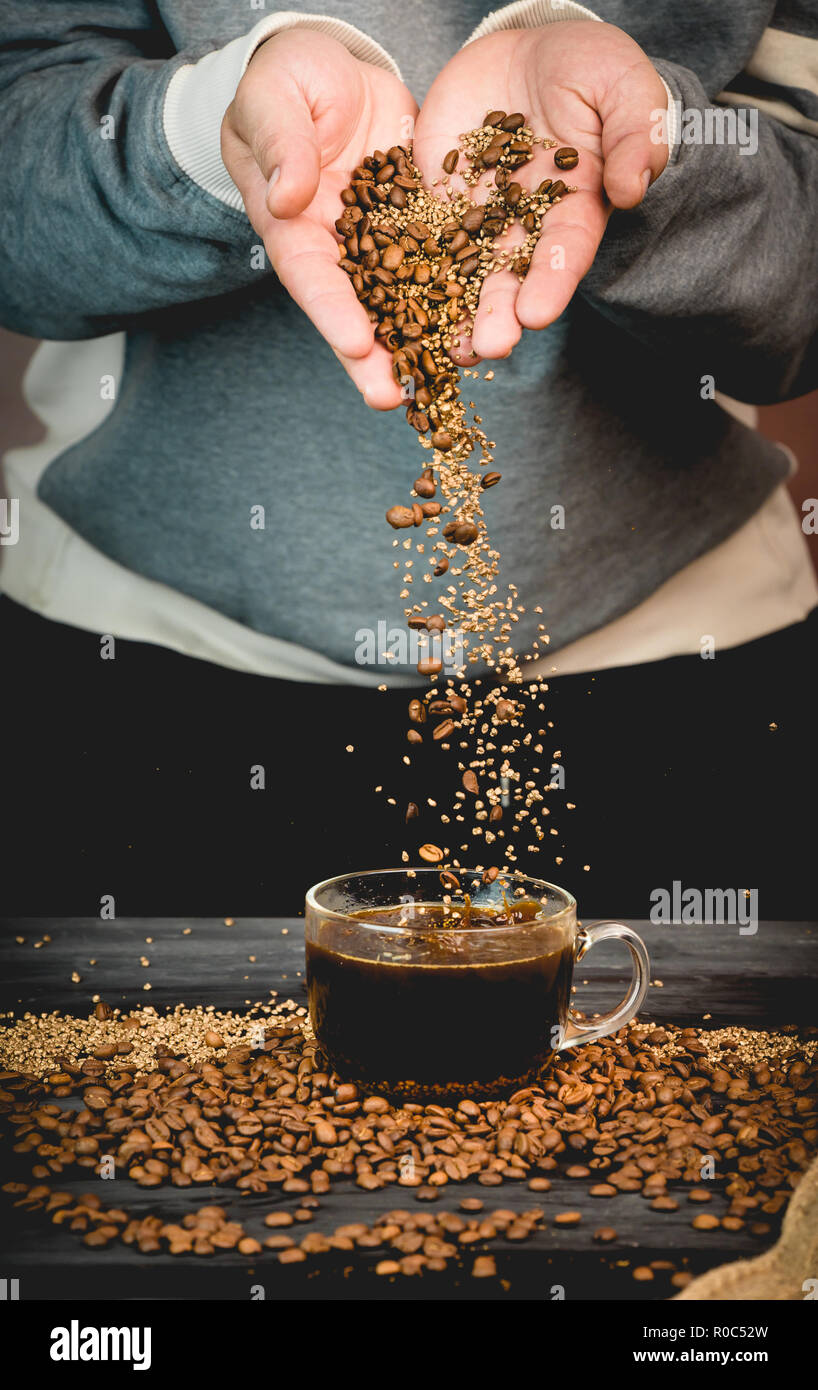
(305, 114)
(585, 84)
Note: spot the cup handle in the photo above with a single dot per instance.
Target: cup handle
(577, 1032)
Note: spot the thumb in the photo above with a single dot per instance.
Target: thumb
(285, 147)
(634, 134)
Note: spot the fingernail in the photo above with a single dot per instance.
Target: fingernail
(274, 177)
(645, 182)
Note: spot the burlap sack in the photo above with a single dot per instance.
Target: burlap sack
(782, 1271)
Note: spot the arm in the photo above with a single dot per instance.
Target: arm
(99, 224)
(719, 264)
(117, 202)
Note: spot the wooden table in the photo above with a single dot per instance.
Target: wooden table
(704, 976)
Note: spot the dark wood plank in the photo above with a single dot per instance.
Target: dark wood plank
(768, 979)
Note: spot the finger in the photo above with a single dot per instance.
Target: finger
(281, 135)
(496, 324)
(305, 259)
(462, 351)
(373, 377)
(633, 146)
(564, 254)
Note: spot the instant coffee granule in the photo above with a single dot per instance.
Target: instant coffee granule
(36, 1044)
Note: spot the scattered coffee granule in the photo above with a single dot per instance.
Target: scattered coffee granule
(37, 1045)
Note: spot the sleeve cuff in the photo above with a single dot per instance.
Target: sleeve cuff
(199, 94)
(530, 14)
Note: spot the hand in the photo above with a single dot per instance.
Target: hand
(305, 114)
(585, 84)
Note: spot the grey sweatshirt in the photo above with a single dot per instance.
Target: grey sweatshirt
(228, 398)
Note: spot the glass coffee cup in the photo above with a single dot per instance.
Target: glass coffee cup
(420, 988)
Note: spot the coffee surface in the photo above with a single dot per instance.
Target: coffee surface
(451, 1020)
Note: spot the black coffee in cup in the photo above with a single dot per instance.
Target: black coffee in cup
(452, 1020)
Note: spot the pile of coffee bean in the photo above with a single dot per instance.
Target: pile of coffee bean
(645, 1111)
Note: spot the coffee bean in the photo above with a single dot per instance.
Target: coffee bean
(450, 161)
(429, 666)
(490, 479)
(470, 783)
(566, 157)
(466, 533)
(417, 711)
(472, 220)
(705, 1222)
(442, 440)
(431, 854)
(513, 122)
(557, 189)
(643, 1274)
(443, 730)
(441, 566)
(494, 118)
(568, 1218)
(400, 517)
(605, 1234)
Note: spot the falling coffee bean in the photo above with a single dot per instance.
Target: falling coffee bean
(431, 854)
